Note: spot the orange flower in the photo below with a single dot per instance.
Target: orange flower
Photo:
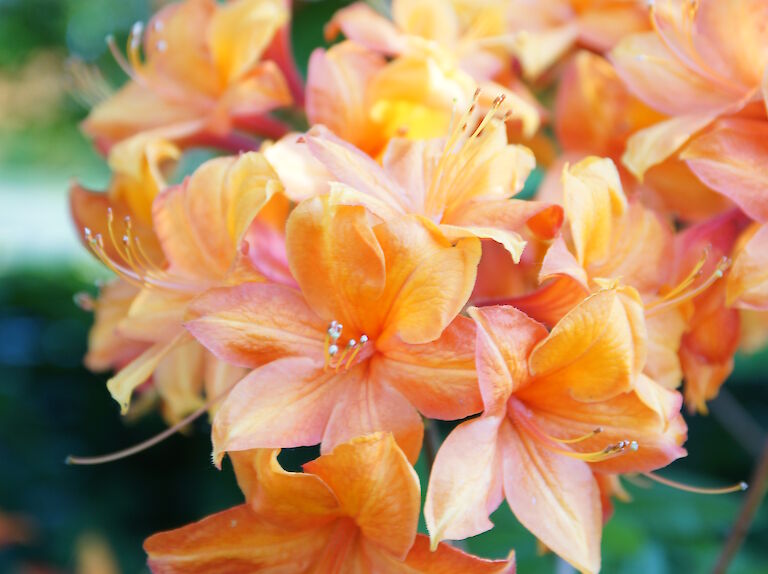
(558, 407)
(200, 226)
(203, 73)
(352, 510)
(371, 334)
(463, 182)
(694, 69)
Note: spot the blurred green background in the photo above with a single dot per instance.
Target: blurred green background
(55, 518)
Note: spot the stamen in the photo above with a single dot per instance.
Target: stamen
(610, 451)
(582, 438)
(158, 438)
(690, 294)
(351, 344)
(741, 486)
(85, 301)
(363, 341)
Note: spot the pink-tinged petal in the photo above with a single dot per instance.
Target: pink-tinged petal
(665, 331)
(538, 50)
(351, 166)
(302, 175)
(262, 90)
(550, 302)
(428, 278)
(234, 541)
(337, 80)
(465, 481)
(512, 241)
(255, 323)
(732, 158)
(430, 19)
(286, 403)
(376, 486)
(505, 339)
(267, 254)
(603, 26)
(438, 378)
(290, 499)
(596, 350)
(540, 218)
(747, 286)
(219, 378)
(337, 260)
(560, 261)
(703, 379)
(362, 24)
(555, 497)
(125, 381)
(659, 79)
(651, 146)
(367, 404)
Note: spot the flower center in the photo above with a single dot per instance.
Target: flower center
(336, 356)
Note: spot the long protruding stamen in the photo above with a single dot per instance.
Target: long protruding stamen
(158, 438)
(687, 282)
(610, 451)
(741, 486)
(578, 439)
(690, 294)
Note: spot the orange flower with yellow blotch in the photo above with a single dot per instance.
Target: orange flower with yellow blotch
(352, 511)
(559, 407)
(202, 228)
(370, 336)
(202, 73)
(463, 182)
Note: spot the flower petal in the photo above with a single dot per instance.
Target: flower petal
(233, 541)
(375, 485)
(178, 379)
(465, 481)
(555, 497)
(748, 278)
(363, 25)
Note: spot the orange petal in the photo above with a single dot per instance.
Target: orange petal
(255, 323)
(665, 330)
(438, 378)
(300, 172)
(731, 159)
(505, 339)
(337, 80)
(260, 413)
(369, 404)
(748, 278)
(219, 377)
(178, 379)
(444, 560)
(429, 19)
(596, 350)
(465, 481)
(428, 278)
(239, 33)
(363, 25)
(376, 486)
(703, 379)
(233, 541)
(289, 499)
(555, 497)
(338, 262)
(201, 222)
(538, 50)
(560, 261)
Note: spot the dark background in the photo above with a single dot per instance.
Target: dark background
(93, 519)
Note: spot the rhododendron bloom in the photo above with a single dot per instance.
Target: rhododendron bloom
(371, 336)
(354, 511)
(559, 406)
(203, 73)
(693, 68)
(200, 226)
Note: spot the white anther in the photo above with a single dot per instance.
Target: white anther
(351, 343)
(633, 446)
(332, 350)
(158, 25)
(161, 45)
(363, 339)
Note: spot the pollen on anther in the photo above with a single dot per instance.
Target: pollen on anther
(363, 339)
(332, 350)
(633, 446)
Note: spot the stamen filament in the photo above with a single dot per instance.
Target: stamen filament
(741, 486)
(722, 266)
(582, 438)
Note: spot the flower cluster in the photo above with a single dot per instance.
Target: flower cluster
(341, 284)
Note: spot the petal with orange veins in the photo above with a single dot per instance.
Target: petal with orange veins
(593, 197)
(428, 278)
(232, 541)
(505, 338)
(439, 377)
(465, 481)
(376, 486)
(239, 32)
(555, 497)
(337, 80)
(732, 158)
(255, 323)
(363, 25)
(289, 499)
(286, 403)
(747, 285)
(367, 404)
(337, 260)
(656, 76)
(201, 222)
(444, 560)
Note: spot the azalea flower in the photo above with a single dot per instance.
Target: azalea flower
(463, 182)
(353, 510)
(370, 336)
(693, 69)
(203, 73)
(200, 227)
(559, 407)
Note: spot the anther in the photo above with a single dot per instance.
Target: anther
(85, 301)
(740, 486)
(363, 339)
(161, 45)
(332, 350)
